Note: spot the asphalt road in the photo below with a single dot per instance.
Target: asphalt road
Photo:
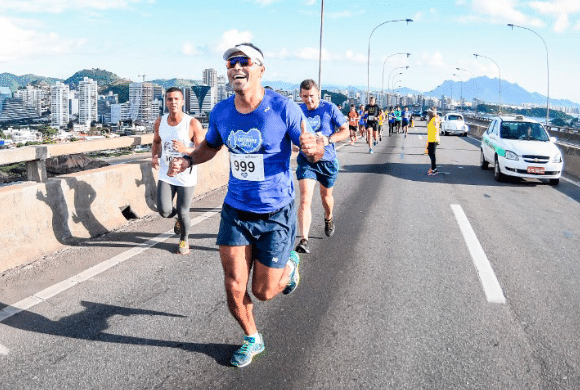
(406, 294)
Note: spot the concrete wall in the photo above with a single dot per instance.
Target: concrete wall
(40, 218)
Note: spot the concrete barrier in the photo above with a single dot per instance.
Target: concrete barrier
(40, 218)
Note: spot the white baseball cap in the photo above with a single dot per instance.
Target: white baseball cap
(248, 49)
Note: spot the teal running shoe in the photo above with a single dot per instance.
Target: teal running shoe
(243, 356)
(294, 276)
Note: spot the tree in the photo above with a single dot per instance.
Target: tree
(47, 131)
(559, 122)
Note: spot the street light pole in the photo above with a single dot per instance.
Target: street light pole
(383, 79)
(389, 79)
(369, 54)
(320, 50)
(499, 72)
(547, 68)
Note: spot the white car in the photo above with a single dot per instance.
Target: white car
(453, 123)
(521, 147)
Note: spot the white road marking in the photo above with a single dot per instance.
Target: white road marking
(55, 289)
(3, 350)
(491, 286)
(571, 181)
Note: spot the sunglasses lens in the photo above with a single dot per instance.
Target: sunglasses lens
(243, 61)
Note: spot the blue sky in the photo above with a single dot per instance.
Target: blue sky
(165, 39)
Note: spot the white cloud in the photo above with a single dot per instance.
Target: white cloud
(504, 11)
(265, 2)
(25, 43)
(356, 57)
(188, 49)
(418, 16)
(310, 2)
(233, 37)
(58, 6)
(577, 26)
(559, 9)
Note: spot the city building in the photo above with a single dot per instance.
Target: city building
(201, 99)
(59, 104)
(144, 108)
(36, 97)
(210, 78)
(120, 112)
(104, 104)
(223, 88)
(15, 109)
(87, 98)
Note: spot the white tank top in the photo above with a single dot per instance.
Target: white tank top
(168, 133)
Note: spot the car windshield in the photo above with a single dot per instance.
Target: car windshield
(524, 131)
(455, 118)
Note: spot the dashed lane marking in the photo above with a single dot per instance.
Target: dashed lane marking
(490, 284)
(53, 290)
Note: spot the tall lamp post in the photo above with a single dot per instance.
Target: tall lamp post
(369, 53)
(499, 72)
(383, 79)
(320, 50)
(547, 68)
(389, 79)
(461, 98)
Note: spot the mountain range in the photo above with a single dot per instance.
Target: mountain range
(482, 88)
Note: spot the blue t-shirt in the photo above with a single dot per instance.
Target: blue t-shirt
(266, 133)
(324, 119)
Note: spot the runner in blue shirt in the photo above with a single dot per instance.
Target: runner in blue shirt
(258, 219)
(324, 117)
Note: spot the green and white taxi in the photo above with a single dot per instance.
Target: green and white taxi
(520, 147)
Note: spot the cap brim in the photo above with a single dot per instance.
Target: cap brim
(249, 51)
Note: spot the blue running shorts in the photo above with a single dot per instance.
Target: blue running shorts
(324, 172)
(271, 235)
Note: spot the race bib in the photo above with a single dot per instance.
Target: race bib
(247, 166)
(371, 118)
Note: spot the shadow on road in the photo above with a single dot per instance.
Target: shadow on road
(91, 324)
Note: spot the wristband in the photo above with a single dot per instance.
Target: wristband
(188, 158)
(330, 142)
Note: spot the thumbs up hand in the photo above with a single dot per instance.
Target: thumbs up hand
(311, 146)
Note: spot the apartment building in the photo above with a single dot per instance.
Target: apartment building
(59, 104)
(88, 106)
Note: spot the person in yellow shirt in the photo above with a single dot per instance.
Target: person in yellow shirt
(433, 139)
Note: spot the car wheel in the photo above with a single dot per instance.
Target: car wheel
(482, 161)
(554, 182)
(499, 177)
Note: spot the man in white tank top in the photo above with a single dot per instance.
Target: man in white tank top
(176, 134)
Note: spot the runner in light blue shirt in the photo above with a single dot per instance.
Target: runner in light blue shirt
(324, 117)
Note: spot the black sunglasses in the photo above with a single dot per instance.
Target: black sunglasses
(243, 61)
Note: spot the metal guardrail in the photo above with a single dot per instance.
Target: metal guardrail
(35, 156)
(567, 135)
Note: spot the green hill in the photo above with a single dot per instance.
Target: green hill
(14, 82)
(103, 78)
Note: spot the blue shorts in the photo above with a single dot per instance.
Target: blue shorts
(405, 121)
(324, 172)
(271, 235)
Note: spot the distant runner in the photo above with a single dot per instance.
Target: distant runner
(372, 113)
(323, 117)
(353, 123)
(176, 134)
